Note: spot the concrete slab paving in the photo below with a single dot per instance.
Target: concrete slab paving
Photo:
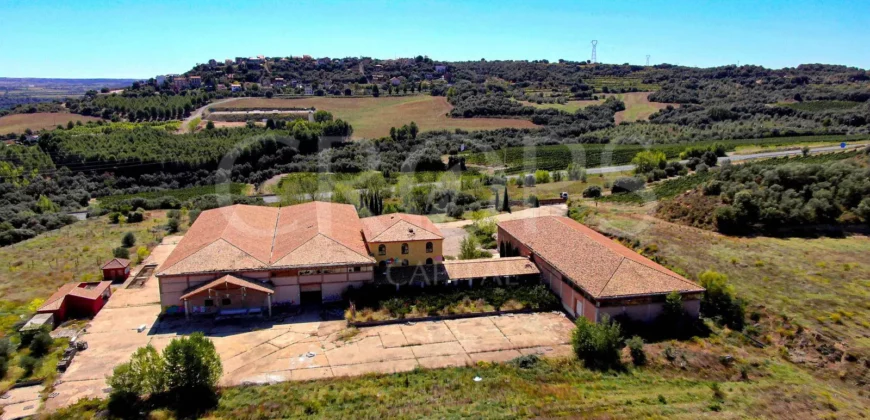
(495, 356)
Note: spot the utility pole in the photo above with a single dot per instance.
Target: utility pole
(594, 56)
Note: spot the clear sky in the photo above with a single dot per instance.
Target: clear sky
(138, 39)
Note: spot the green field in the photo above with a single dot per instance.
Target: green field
(518, 159)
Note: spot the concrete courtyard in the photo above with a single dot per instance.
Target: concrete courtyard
(300, 347)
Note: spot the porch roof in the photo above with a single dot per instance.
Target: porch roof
(227, 280)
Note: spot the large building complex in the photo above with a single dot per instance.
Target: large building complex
(246, 259)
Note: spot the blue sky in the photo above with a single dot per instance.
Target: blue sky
(137, 39)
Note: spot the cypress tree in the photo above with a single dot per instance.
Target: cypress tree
(496, 201)
(507, 204)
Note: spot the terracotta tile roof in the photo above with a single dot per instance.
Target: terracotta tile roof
(602, 267)
(490, 267)
(83, 290)
(243, 237)
(227, 280)
(400, 227)
(116, 263)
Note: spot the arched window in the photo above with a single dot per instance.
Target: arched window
(429, 247)
(404, 263)
(382, 249)
(405, 248)
(429, 261)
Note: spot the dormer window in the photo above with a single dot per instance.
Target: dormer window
(429, 247)
(382, 249)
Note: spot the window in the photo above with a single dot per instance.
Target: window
(226, 301)
(209, 303)
(429, 247)
(404, 263)
(382, 249)
(429, 261)
(357, 269)
(404, 249)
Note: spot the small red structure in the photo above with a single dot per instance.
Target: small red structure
(117, 269)
(77, 300)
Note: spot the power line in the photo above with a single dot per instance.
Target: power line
(647, 60)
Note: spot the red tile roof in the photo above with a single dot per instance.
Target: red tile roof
(602, 267)
(116, 263)
(243, 237)
(83, 290)
(400, 227)
(226, 280)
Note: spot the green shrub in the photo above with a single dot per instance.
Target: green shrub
(597, 345)
(719, 301)
(28, 364)
(121, 252)
(542, 176)
(172, 225)
(592, 191)
(627, 184)
(635, 347)
(41, 344)
(128, 240)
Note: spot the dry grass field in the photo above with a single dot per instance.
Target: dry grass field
(373, 117)
(17, 123)
(637, 106)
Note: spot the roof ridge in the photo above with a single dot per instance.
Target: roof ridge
(613, 274)
(274, 236)
(389, 216)
(333, 240)
(423, 228)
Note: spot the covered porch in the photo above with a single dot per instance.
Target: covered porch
(229, 296)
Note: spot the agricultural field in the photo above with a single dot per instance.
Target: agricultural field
(633, 82)
(554, 189)
(373, 117)
(18, 123)
(637, 105)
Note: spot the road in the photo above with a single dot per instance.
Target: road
(198, 113)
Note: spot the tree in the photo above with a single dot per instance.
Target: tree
(506, 204)
(322, 116)
(592, 191)
(576, 173)
(44, 205)
(719, 301)
(375, 91)
(597, 345)
(128, 240)
(40, 344)
(192, 366)
(121, 252)
(393, 133)
(648, 160)
(413, 130)
(468, 248)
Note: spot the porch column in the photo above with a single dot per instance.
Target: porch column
(186, 309)
(269, 304)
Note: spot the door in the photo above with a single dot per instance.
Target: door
(578, 308)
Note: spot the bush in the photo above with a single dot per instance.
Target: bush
(635, 347)
(719, 301)
(121, 252)
(576, 173)
(597, 345)
(529, 180)
(172, 225)
(557, 176)
(28, 363)
(542, 176)
(627, 184)
(454, 210)
(592, 191)
(533, 201)
(128, 240)
(649, 160)
(193, 215)
(41, 344)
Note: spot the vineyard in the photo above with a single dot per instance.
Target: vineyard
(557, 157)
(182, 195)
(150, 108)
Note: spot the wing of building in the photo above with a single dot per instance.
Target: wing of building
(592, 274)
